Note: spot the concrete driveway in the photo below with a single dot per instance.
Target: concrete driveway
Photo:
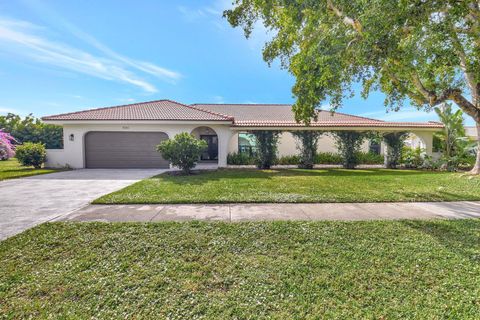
(26, 202)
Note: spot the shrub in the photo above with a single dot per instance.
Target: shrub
(394, 142)
(328, 158)
(370, 158)
(182, 151)
(348, 144)
(240, 158)
(7, 147)
(266, 141)
(289, 160)
(307, 141)
(412, 157)
(31, 154)
(31, 129)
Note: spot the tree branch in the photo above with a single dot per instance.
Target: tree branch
(355, 24)
(469, 76)
(429, 96)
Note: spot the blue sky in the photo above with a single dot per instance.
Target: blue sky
(61, 56)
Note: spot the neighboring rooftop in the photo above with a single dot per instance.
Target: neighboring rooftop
(241, 115)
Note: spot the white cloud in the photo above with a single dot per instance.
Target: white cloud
(20, 38)
(218, 99)
(5, 110)
(52, 17)
(213, 14)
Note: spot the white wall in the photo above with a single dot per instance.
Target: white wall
(73, 153)
(287, 144)
(326, 143)
(471, 131)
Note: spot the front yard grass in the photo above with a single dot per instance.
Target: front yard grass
(11, 169)
(296, 185)
(258, 270)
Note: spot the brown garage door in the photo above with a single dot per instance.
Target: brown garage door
(124, 150)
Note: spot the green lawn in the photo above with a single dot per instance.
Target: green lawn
(11, 169)
(278, 270)
(296, 185)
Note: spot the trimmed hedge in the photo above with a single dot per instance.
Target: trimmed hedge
(320, 158)
(240, 159)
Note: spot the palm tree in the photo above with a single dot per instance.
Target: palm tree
(453, 131)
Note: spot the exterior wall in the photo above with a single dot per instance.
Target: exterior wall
(424, 139)
(287, 144)
(471, 131)
(73, 154)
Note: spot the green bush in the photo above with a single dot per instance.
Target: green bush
(320, 158)
(289, 160)
(31, 129)
(238, 158)
(182, 151)
(307, 141)
(349, 144)
(328, 158)
(31, 154)
(370, 158)
(394, 142)
(412, 157)
(266, 141)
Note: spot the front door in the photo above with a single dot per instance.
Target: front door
(211, 153)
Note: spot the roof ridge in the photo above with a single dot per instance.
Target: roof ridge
(111, 107)
(243, 104)
(353, 115)
(226, 116)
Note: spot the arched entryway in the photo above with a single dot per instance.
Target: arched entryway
(415, 141)
(210, 136)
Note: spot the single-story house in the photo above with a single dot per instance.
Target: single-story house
(125, 136)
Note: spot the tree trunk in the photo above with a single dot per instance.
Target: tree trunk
(476, 166)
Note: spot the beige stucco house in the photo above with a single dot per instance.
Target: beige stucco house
(125, 136)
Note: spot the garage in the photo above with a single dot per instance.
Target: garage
(124, 150)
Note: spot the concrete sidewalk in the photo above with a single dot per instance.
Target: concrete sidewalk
(259, 212)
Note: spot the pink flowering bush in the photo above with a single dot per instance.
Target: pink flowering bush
(7, 147)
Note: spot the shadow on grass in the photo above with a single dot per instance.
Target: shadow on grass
(460, 237)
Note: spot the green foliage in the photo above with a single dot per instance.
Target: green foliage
(328, 158)
(31, 129)
(182, 151)
(348, 144)
(307, 141)
(412, 157)
(266, 142)
(420, 52)
(453, 131)
(370, 158)
(289, 160)
(394, 46)
(394, 142)
(31, 154)
(240, 158)
(320, 158)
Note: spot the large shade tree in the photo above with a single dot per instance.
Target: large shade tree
(419, 52)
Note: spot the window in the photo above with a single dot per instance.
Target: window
(374, 147)
(246, 143)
